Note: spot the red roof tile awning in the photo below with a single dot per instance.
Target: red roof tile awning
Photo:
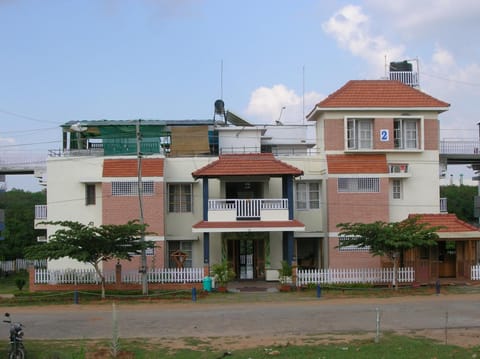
(252, 164)
(248, 226)
(451, 226)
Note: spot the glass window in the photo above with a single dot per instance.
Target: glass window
(396, 189)
(90, 194)
(183, 246)
(308, 195)
(359, 133)
(405, 133)
(179, 198)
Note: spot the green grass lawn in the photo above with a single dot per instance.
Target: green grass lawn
(390, 346)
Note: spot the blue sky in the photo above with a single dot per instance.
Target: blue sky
(158, 59)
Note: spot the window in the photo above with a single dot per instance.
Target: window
(359, 133)
(308, 195)
(183, 246)
(405, 133)
(130, 188)
(396, 189)
(179, 198)
(351, 248)
(359, 185)
(90, 194)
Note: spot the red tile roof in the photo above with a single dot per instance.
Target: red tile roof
(253, 164)
(151, 167)
(448, 221)
(249, 224)
(357, 163)
(379, 94)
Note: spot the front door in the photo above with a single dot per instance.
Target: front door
(247, 257)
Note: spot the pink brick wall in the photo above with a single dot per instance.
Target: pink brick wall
(381, 124)
(355, 207)
(334, 135)
(431, 134)
(121, 209)
(346, 259)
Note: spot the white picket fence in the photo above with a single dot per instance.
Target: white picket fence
(475, 272)
(21, 264)
(353, 275)
(89, 276)
(166, 275)
(71, 276)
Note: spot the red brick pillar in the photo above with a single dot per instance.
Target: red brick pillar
(31, 279)
(118, 274)
(294, 273)
(206, 270)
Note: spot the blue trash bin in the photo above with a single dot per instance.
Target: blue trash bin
(207, 284)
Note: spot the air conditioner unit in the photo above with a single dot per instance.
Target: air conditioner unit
(41, 238)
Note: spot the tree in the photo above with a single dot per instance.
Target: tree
(90, 244)
(389, 239)
(460, 200)
(19, 206)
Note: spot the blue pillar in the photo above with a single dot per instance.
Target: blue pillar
(206, 248)
(290, 247)
(205, 199)
(289, 180)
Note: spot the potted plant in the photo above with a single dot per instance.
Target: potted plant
(285, 277)
(222, 274)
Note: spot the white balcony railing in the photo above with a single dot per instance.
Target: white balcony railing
(443, 205)
(41, 212)
(238, 209)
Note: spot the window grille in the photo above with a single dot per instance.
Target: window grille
(351, 248)
(130, 188)
(359, 185)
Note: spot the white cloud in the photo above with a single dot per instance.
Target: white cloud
(350, 28)
(266, 104)
(427, 15)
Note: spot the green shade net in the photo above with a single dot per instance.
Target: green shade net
(121, 140)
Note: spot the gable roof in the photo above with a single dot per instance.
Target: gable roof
(448, 222)
(363, 94)
(151, 167)
(253, 164)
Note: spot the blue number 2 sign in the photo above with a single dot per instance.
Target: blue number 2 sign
(384, 135)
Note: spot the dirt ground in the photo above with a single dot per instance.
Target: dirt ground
(464, 337)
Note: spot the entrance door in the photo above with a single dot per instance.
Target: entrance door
(247, 257)
(245, 265)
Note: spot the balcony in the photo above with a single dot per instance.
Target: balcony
(229, 210)
(398, 170)
(40, 216)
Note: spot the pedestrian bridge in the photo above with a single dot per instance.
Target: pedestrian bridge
(22, 162)
(29, 162)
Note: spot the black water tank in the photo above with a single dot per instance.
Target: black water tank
(400, 66)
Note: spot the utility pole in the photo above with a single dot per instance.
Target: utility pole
(143, 268)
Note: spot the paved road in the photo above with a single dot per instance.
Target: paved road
(199, 319)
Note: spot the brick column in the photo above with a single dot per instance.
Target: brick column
(118, 274)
